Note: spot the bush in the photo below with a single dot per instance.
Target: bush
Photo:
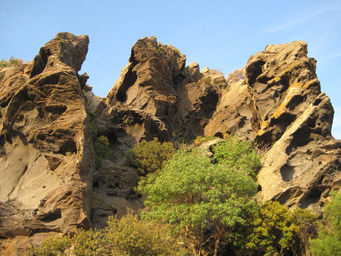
(127, 236)
(150, 157)
(11, 62)
(133, 236)
(53, 245)
(278, 231)
(329, 235)
(102, 150)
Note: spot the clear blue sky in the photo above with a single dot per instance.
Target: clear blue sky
(218, 34)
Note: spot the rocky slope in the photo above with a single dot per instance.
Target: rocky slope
(47, 159)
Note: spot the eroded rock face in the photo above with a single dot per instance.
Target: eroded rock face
(157, 96)
(279, 105)
(114, 193)
(47, 156)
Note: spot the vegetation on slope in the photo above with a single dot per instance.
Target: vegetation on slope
(12, 62)
(329, 236)
(199, 203)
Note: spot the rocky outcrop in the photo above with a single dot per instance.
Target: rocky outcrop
(143, 100)
(47, 159)
(47, 156)
(279, 105)
(114, 193)
(157, 96)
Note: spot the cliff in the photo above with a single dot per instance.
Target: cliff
(49, 118)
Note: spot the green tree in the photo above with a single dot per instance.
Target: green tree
(150, 157)
(238, 154)
(196, 195)
(277, 230)
(329, 235)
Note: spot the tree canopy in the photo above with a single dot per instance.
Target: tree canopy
(195, 193)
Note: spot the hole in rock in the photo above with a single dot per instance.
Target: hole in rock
(287, 196)
(259, 188)
(312, 122)
(51, 216)
(312, 198)
(316, 102)
(295, 101)
(110, 134)
(128, 81)
(219, 135)
(287, 172)
(209, 103)
(56, 109)
(4, 104)
(283, 121)
(68, 146)
(254, 70)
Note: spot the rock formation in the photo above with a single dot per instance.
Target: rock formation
(157, 96)
(279, 105)
(49, 118)
(46, 153)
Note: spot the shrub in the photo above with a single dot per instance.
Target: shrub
(133, 236)
(53, 245)
(102, 150)
(127, 236)
(329, 235)
(278, 231)
(11, 62)
(150, 157)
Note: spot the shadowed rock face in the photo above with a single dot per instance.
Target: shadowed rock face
(47, 156)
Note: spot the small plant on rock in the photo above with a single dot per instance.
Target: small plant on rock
(102, 150)
(150, 157)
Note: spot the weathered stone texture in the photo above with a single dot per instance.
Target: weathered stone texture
(47, 158)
